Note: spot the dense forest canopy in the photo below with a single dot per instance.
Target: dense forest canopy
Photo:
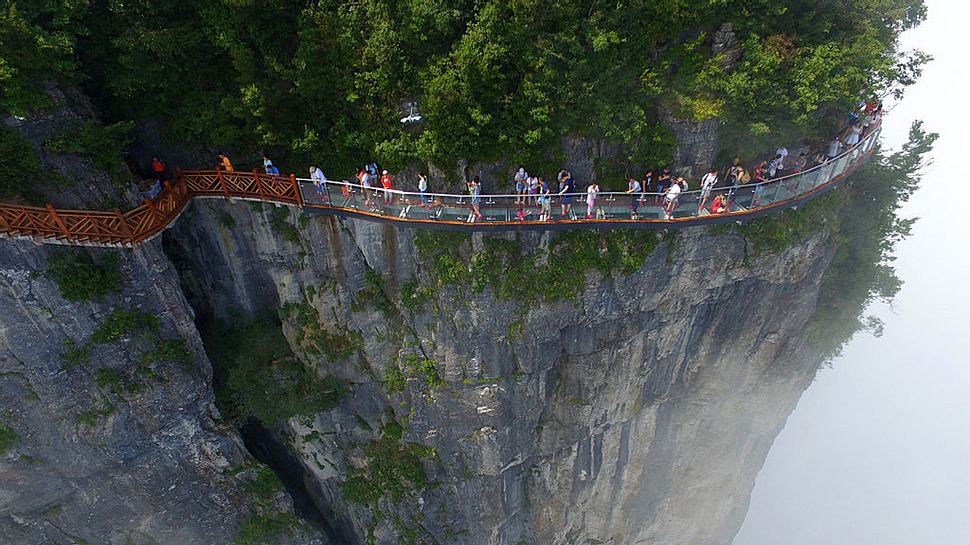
(327, 80)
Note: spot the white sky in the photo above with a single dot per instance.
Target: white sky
(878, 450)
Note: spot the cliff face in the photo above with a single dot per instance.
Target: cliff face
(117, 439)
(637, 412)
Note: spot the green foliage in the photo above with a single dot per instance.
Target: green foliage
(8, 438)
(867, 228)
(425, 368)
(107, 378)
(373, 293)
(258, 377)
(19, 167)
(122, 322)
(80, 278)
(313, 339)
(91, 416)
(74, 354)
(264, 528)
(527, 279)
(414, 295)
(394, 379)
(37, 40)
(280, 224)
(103, 145)
(494, 78)
(264, 484)
(173, 350)
(392, 467)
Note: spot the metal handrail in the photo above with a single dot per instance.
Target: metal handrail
(868, 138)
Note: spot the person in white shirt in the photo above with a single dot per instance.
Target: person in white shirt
(783, 152)
(707, 184)
(774, 166)
(673, 192)
(591, 193)
(423, 189)
(855, 134)
(318, 179)
(835, 146)
(521, 188)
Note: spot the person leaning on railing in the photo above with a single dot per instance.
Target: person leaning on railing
(225, 163)
(319, 180)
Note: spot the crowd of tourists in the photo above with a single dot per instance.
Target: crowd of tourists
(657, 187)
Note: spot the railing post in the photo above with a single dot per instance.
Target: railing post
(58, 221)
(180, 180)
(296, 190)
(151, 208)
(125, 229)
(259, 186)
(222, 182)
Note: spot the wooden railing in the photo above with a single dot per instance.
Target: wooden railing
(117, 228)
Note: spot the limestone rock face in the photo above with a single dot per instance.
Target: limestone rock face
(698, 144)
(114, 446)
(640, 412)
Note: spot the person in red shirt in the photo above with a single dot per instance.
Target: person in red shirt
(386, 182)
(719, 206)
(158, 169)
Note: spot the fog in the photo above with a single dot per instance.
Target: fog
(878, 450)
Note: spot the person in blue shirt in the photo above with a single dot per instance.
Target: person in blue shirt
(271, 168)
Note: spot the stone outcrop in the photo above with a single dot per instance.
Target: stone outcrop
(639, 412)
(118, 440)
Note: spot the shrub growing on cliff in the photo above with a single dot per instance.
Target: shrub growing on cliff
(103, 145)
(80, 278)
(258, 377)
(393, 467)
(19, 167)
(122, 322)
(8, 438)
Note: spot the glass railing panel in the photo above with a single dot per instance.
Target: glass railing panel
(686, 205)
(769, 193)
(741, 198)
(835, 168)
(788, 187)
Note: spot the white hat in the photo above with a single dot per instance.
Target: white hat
(385, 172)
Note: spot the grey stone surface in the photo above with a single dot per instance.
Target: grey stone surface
(639, 413)
(151, 470)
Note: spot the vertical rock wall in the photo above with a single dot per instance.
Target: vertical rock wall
(117, 440)
(639, 412)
